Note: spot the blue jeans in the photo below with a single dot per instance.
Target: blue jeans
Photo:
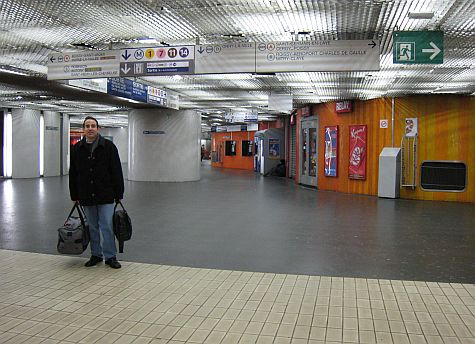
(99, 218)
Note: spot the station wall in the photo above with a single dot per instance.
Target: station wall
(446, 131)
(238, 161)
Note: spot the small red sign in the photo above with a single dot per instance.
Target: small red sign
(344, 106)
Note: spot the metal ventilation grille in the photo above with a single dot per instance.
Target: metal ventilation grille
(443, 176)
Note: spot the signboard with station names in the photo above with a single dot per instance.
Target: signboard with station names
(270, 57)
(225, 58)
(83, 65)
(157, 61)
(322, 56)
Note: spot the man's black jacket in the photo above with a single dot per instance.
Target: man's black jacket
(95, 178)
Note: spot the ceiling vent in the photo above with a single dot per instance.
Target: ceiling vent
(420, 15)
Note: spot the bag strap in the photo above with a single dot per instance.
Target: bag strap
(115, 207)
(77, 207)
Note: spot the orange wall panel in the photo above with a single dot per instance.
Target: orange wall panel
(446, 131)
(237, 161)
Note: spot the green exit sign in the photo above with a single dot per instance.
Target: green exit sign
(418, 47)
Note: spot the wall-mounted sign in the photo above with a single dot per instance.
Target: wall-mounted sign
(344, 106)
(383, 124)
(410, 127)
(305, 111)
(51, 128)
(274, 149)
(331, 151)
(357, 151)
(252, 127)
(153, 132)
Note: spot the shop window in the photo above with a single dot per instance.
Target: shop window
(247, 148)
(230, 149)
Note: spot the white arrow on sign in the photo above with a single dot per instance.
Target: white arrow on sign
(125, 69)
(434, 51)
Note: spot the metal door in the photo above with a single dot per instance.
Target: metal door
(308, 151)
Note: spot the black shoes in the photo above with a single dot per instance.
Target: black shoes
(113, 263)
(93, 261)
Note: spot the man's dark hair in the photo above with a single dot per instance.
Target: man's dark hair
(89, 117)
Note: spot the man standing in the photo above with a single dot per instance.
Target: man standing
(96, 181)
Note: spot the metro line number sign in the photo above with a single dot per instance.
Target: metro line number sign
(157, 61)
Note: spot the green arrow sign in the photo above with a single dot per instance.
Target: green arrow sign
(418, 47)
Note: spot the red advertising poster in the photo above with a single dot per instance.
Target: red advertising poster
(357, 164)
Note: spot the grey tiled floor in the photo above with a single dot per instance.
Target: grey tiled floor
(239, 220)
(55, 299)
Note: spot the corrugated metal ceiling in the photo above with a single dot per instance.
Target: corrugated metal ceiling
(32, 29)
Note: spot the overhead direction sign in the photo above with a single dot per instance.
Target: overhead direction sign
(317, 56)
(157, 61)
(82, 65)
(270, 57)
(418, 47)
(225, 58)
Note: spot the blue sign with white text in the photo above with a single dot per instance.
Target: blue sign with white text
(126, 88)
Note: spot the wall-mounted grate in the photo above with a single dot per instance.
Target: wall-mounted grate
(443, 176)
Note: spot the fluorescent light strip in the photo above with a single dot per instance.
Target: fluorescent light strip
(42, 144)
(12, 72)
(7, 145)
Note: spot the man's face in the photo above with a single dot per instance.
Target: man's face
(90, 129)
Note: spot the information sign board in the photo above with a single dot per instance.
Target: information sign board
(83, 65)
(317, 56)
(418, 47)
(157, 61)
(98, 85)
(225, 58)
(156, 96)
(240, 116)
(126, 88)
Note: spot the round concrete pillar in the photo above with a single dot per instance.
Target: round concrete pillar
(164, 145)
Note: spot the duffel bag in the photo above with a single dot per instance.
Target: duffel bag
(73, 236)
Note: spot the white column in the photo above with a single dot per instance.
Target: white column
(164, 145)
(25, 143)
(52, 145)
(120, 137)
(66, 144)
